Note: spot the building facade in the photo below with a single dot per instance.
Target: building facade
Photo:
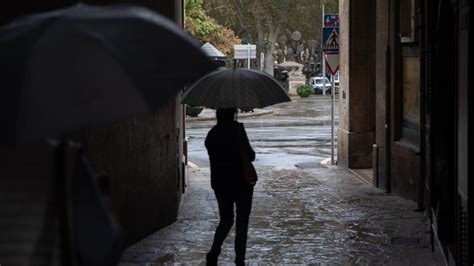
(142, 156)
(405, 109)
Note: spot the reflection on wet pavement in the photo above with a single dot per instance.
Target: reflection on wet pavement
(299, 134)
(303, 212)
(299, 216)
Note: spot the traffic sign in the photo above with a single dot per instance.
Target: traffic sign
(245, 51)
(331, 20)
(332, 61)
(330, 39)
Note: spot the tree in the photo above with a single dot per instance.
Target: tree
(265, 22)
(205, 29)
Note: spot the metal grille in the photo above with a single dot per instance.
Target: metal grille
(463, 247)
(428, 84)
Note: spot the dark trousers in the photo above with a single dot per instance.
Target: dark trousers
(243, 201)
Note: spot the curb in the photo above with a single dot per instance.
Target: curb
(240, 115)
(327, 163)
(361, 176)
(192, 165)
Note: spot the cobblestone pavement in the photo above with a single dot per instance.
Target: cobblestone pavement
(311, 216)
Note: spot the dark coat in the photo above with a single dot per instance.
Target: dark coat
(222, 143)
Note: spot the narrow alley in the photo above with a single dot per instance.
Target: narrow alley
(301, 215)
(107, 106)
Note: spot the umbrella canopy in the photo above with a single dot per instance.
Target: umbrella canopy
(84, 65)
(235, 88)
(211, 51)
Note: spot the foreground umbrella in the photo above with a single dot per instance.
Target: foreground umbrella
(85, 65)
(235, 88)
(64, 70)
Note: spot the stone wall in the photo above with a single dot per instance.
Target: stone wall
(295, 79)
(357, 83)
(364, 100)
(382, 41)
(143, 157)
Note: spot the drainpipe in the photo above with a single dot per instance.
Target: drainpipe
(423, 87)
(387, 122)
(388, 137)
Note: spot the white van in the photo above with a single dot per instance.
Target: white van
(318, 86)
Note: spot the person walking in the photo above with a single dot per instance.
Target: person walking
(224, 143)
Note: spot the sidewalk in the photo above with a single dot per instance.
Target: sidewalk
(210, 114)
(311, 216)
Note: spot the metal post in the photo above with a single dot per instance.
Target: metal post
(333, 90)
(323, 59)
(248, 55)
(375, 165)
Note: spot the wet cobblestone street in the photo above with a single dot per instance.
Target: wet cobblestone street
(311, 216)
(303, 212)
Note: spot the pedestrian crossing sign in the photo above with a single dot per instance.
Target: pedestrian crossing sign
(330, 39)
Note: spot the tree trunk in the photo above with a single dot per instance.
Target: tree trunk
(239, 6)
(272, 38)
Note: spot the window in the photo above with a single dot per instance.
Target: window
(411, 99)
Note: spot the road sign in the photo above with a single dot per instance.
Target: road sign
(331, 20)
(330, 39)
(332, 61)
(245, 51)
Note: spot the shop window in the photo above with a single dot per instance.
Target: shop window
(410, 129)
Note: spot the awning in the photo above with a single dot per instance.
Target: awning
(211, 51)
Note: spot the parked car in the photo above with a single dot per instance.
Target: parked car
(318, 86)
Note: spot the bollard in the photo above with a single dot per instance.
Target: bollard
(375, 165)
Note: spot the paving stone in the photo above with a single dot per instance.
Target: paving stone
(315, 216)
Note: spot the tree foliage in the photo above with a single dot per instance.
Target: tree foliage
(206, 29)
(268, 22)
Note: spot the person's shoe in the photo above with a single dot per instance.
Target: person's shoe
(240, 263)
(211, 259)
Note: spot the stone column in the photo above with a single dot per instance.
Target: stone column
(357, 83)
(382, 41)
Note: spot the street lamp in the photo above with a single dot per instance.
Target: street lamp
(307, 72)
(309, 69)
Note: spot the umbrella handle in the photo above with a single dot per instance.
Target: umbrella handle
(66, 154)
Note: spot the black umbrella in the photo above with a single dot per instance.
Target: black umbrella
(235, 88)
(74, 68)
(84, 65)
